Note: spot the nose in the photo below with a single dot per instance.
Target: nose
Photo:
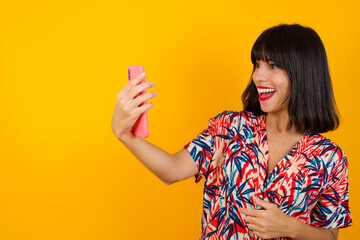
(259, 75)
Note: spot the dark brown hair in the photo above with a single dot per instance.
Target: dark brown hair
(300, 52)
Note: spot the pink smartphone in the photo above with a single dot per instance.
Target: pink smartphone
(141, 126)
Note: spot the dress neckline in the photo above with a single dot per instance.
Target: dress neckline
(287, 160)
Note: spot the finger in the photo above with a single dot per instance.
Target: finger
(251, 219)
(131, 84)
(142, 98)
(143, 108)
(248, 212)
(135, 81)
(244, 211)
(254, 227)
(136, 90)
(262, 203)
(251, 226)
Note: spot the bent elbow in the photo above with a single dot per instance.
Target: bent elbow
(169, 181)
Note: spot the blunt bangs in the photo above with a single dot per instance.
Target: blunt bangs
(300, 52)
(269, 46)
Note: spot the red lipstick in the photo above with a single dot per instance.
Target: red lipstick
(265, 95)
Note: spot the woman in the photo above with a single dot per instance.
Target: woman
(268, 172)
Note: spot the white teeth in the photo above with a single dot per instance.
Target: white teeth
(261, 90)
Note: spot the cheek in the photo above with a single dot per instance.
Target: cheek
(253, 78)
(288, 86)
(286, 83)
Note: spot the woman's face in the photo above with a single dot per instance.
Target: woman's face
(273, 85)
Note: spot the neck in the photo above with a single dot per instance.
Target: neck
(279, 122)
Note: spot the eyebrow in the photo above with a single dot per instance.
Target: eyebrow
(269, 60)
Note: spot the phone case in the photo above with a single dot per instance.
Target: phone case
(141, 126)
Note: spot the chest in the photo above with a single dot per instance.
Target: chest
(278, 147)
(255, 168)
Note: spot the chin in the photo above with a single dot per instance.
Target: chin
(268, 110)
(265, 109)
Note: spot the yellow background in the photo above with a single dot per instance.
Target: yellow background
(64, 175)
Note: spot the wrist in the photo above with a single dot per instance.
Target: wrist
(126, 137)
(295, 228)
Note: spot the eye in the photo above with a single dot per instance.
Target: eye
(273, 65)
(257, 65)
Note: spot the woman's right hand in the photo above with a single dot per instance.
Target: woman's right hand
(127, 109)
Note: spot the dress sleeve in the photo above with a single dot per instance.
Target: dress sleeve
(332, 209)
(201, 148)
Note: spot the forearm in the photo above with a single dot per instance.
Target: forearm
(158, 161)
(299, 230)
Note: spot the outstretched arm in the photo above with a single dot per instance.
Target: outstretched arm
(273, 223)
(168, 167)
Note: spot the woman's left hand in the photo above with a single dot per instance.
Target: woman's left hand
(269, 222)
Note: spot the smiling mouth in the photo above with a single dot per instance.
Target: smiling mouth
(265, 93)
